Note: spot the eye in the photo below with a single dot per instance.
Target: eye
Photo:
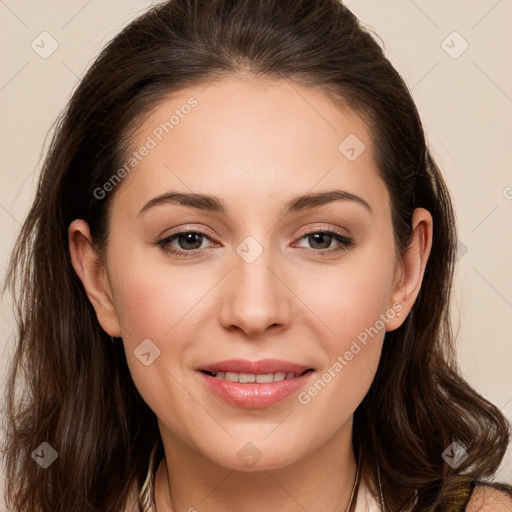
(184, 242)
(188, 243)
(321, 241)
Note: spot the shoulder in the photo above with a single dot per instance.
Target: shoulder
(490, 498)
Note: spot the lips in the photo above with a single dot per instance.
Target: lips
(255, 384)
(262, 367)
(261, 378)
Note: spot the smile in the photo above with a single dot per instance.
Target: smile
(245, 378)
(254, 385)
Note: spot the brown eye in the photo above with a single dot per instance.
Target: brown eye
(189, 241)
(185, 243)
(320, 240)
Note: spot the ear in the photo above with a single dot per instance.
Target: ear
(91, 270)
(411, 268)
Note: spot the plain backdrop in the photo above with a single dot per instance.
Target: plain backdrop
(455, 57)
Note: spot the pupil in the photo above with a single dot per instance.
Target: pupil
(189, 239)
(321, 235)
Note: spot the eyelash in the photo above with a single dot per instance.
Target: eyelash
(345, 242)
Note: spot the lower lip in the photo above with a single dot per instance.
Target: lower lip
(255, 395)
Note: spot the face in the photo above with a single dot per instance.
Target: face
(254, 274)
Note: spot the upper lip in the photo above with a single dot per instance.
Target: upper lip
(262, 367)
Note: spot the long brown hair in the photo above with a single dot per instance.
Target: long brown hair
(70, 385)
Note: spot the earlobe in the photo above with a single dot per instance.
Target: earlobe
(412, 266)
(92, 272)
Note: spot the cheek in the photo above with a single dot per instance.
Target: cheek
(153, 298)
(156, 304)
(352, 303)
(166, 305)
(350, 298)
(355, 312)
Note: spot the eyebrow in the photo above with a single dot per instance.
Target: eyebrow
(216, 205)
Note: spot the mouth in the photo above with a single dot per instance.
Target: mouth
(255, 384)
(260, 378)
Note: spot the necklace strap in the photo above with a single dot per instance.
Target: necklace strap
(355, 491)
(147, 493)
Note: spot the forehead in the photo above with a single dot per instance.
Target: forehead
(238, 137)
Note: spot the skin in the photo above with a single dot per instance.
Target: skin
(486, 499)
(263, 143)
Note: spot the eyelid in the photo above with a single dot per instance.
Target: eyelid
(345, 240)
(189, 228)
(326, 228)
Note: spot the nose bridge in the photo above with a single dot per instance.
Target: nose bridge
(254, 297)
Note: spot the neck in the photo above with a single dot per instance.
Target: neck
(322, 481)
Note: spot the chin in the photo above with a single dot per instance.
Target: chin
(257, 455)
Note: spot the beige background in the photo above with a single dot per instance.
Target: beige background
(465, 103)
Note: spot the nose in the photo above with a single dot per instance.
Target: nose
(255, 297)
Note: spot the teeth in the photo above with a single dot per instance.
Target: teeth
(269, 377)
(244, 378)
(232, 376)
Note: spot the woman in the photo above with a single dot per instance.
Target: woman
(234, 282)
